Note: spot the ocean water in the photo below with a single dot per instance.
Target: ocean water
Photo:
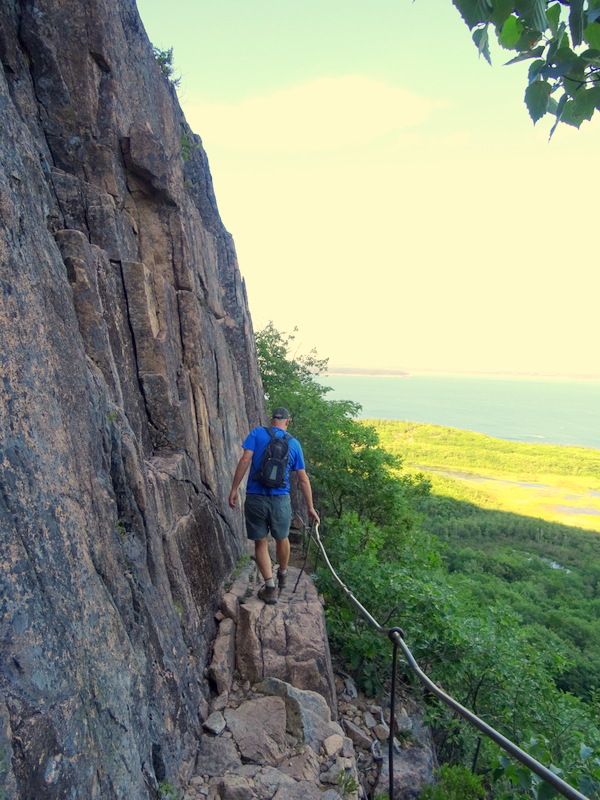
(542, 410)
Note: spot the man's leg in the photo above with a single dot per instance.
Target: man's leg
(282, 549)
(263, 559)
(281, 518)
(256, 514)
(283, 559)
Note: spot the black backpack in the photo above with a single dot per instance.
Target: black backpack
(273, 465)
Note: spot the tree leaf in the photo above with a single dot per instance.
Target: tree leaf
(483, 9)
(564, 55)
(539, 20)
(559, 112)
(576, 21)
(469, 11)
(533, 13)
(585, 103)
(546, 792)
(511, 32)
(501, 12)
(553, 17)
(574, 82)
(481, 39)
(525, 55)
(585, 751)
(559, 41)
(537, 99)
(568, 116)
(536, 69)
(591, 34)
(591, 55)
(587, 786)
(594, 95)
(529, 38)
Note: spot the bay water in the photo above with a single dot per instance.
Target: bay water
(542, 410)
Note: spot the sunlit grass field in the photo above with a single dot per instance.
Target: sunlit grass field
(549, 482)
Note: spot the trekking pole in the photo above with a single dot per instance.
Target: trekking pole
(305, 559)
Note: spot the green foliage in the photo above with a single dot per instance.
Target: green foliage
(164, 59)
(349, 470)
(454, 783)
(188, 144)
(435, 445)
(507, 558)
(166, 791)
(347, 785)
(483, 613)
(561, 39)
(525, 784)
(242, 562)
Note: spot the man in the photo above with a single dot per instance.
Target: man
(269, 510)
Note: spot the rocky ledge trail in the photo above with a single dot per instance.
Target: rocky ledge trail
(281, 724)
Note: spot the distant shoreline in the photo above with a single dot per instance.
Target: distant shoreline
(353, 372)
(357, 372)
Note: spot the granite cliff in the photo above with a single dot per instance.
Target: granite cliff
(127, 373)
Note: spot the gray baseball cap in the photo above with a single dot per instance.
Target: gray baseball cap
(280, 413)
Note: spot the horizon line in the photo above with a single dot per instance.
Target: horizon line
(383, 372)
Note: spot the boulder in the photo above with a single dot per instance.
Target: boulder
(216, 756)
(403, 722)
(258, 728)
(413, 766)
(229, 605)
(308, 717)
(357, 734)
(333, 745)
(235, 787)
(215, 723)
(302, 767)
(303, 790)
(287, 641)
(223, 658)
(270, 781)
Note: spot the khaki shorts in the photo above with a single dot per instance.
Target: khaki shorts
(271, 513)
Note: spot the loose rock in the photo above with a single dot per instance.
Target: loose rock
(215, 723)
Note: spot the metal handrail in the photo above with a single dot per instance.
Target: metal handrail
(396, 636)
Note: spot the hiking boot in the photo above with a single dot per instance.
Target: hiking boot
(282, 578)
(267, 595)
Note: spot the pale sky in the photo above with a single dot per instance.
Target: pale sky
(385, 187)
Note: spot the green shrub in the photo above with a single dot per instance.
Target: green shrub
(164, 59)
(454, 783)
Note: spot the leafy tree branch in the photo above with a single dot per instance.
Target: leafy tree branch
(561, 39)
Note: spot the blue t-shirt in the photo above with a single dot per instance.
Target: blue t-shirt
(257, 441)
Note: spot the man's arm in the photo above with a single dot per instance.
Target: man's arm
(305, 488)
(240, 471)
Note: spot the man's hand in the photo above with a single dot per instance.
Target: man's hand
(240, 471)
(314, 515)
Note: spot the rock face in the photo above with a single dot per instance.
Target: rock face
(127, 376)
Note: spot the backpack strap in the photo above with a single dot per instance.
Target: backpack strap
(273, 435)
